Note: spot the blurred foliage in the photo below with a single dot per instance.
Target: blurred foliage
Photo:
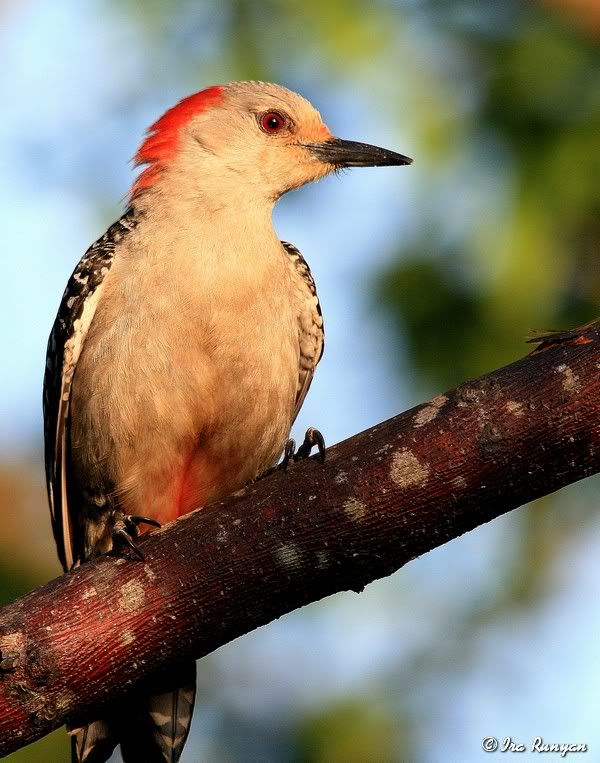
(11, 585)
(53, 748)
(354, 731)
(531, 257)
(502, 102)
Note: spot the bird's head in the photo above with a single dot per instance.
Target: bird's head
(248, 138)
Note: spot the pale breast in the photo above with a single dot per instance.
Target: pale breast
(187, 384)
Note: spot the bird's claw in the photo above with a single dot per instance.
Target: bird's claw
(125, 529)
(312, 438)
(133, 520)
(288, 454)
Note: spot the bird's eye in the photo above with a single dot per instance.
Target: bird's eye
(271, 122)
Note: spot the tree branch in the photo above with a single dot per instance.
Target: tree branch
(382, 498)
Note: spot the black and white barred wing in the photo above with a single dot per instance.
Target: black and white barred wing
(67, 337)
(311, 334)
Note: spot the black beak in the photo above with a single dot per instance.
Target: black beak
(348, 153)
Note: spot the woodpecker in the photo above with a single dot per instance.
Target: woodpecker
(183, 349)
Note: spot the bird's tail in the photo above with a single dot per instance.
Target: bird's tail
(151, 728)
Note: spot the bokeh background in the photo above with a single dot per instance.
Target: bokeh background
(427, 274)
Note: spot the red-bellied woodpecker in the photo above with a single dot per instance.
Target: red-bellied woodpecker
(184, 346)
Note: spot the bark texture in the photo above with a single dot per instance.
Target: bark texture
(382, 498)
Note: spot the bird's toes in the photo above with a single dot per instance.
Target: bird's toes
(121, 540)
(125, 529)
(136, 520)
(288, 454)
(312, 438)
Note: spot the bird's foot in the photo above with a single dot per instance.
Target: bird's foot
(288, 455)
(126, 528)
(312, 438)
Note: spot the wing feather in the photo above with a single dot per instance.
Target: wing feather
(311, 334)
(74, 318)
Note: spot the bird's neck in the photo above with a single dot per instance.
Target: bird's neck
(236, 228)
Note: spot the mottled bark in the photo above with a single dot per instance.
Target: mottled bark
(382, 498)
